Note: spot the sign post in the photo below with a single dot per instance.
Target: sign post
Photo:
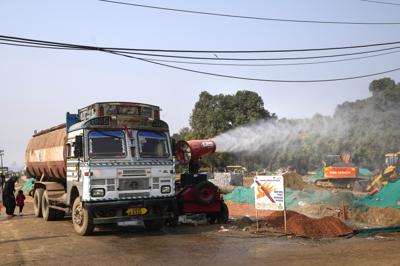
(269, 194)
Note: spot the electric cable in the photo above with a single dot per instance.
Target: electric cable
(26, 40)
(256, 79)
(382, 2)
(248, 17)
(207, 63)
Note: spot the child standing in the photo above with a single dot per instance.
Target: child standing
(20, 201)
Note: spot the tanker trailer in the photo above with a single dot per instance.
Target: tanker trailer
(110, 163)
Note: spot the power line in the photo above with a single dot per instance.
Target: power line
(35, 41)
(255, 59)
(39, 46)
(250, 17)
(255, 79)
(195, 63)
(382, 2)
(210, 58)
(267, 65)
(126, 54)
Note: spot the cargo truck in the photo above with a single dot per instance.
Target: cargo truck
(109, 163)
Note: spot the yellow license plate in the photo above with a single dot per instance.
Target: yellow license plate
(136, 211)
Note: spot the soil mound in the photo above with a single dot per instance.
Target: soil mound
(376, 216)
(293, 180)
(301, 225)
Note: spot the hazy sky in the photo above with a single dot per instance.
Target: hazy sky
(39, 86)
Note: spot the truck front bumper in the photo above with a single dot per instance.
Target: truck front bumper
(116, 211)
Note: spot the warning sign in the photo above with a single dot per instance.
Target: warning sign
(269, 192)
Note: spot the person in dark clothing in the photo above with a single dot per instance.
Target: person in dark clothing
(8, 195)
(20, 201)
(2, 180)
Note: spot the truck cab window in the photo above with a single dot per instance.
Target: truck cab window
(153, 144)
(106, 144)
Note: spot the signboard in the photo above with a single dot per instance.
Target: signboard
(3, 170)
(340, 172)
(269, 193)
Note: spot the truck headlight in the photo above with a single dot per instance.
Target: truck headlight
(98, 192)
(165, 189)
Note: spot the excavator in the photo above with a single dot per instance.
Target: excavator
(339, 172)
(391, 173)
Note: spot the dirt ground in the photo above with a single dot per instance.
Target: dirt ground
(28, 240)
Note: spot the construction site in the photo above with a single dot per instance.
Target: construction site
(199, 132)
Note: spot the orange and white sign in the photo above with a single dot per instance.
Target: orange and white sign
(340, 172)
(269, 193)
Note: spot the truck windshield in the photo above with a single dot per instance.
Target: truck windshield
(106, 144)
(152, 144)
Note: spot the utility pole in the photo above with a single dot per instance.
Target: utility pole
(2, 177)
(1, 156)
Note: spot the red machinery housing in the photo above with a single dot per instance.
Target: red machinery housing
(195, 194)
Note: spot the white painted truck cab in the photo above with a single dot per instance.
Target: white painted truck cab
(118, 168)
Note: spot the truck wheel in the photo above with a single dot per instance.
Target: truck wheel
(37, 202)
(223, 216)
(81, 218)
(212, 218)
(154, 225)
(174, 220)
(49, 214)
(205, 192)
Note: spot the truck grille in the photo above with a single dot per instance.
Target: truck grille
(134, 184)
(134, 195)
(134, 172)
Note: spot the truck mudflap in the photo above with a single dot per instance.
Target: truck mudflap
(120, 211)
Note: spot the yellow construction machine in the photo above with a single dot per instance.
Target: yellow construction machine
(391, 173)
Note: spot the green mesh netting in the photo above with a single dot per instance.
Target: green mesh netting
(318, 175)
(387, 197)
(365, 172)
(241, 195)
(375, 231)
(295, 198)
(28, 184)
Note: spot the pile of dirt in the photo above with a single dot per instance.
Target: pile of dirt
(376, 216)
(293, 180)
(301, 225)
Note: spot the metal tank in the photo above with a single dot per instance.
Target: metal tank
(46, 154)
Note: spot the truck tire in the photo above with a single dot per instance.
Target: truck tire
(82, 219)
(154, 225)
(174, 220)
(37, 202)
(205, 192)
(223, 216)
(48, 213)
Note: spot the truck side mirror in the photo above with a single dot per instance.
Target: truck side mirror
(78, 147)
(173, 142)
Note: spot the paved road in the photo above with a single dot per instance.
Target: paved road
(31, 241)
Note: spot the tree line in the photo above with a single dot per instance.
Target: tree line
(367, 129)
